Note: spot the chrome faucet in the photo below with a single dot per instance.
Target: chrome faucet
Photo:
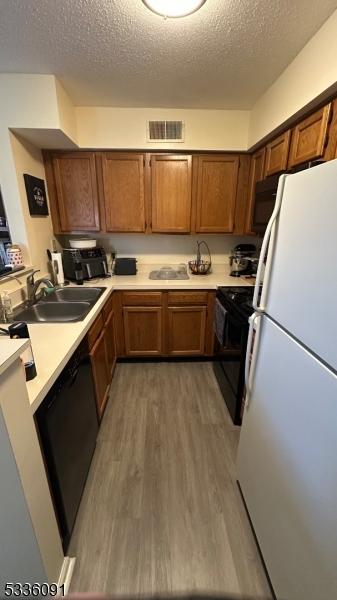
(32, 286)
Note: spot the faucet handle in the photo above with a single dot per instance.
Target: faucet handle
(30, 278)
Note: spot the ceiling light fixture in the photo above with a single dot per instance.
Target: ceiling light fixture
(174, 8)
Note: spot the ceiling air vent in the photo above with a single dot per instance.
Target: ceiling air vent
(165, 131)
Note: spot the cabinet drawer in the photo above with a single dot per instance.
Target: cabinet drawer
(176, 298)
(95, 330)
(141, 298)
(107, 308)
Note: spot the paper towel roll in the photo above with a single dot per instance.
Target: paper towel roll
(56, 259)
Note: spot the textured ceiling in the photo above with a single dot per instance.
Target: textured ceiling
(118, 53)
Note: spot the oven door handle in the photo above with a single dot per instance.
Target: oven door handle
(254, 325)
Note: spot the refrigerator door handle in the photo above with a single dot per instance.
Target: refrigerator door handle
(266, 238)
(254, 325)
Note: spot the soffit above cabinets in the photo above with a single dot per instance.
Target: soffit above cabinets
(119, 53)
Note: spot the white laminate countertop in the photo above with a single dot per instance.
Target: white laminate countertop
(219, 277)
(54, 343)
(10, 350)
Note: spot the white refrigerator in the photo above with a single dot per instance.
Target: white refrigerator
(287, 457)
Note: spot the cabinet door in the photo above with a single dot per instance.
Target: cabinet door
(186, 330)
(123, 181)
(76, 191)
(216, 191)
(110, 344)
(100, 372)
(142, 330)
(277, 154)
(309, 137)
(255, 175)
(171, 193)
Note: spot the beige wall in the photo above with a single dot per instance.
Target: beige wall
(66, 112)
(161, 248)
(105, 127)
(36, 232)
(312, 72)
(28, 159)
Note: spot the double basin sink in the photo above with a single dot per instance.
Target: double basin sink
(62, 305)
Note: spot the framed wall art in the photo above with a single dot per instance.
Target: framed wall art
(36, 195)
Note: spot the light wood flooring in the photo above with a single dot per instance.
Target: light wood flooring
(161, 512)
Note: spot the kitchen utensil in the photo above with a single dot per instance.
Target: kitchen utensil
(201, 266)
(57, 267)
(82, 243)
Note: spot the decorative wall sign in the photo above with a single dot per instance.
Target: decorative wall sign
(36, 194)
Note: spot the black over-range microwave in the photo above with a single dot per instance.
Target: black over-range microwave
(265, 194)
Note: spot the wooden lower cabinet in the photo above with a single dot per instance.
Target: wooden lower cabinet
(100, 372)
(143, 330)
(102, 349)
(164, 323)
(110, 344)
(186, 330)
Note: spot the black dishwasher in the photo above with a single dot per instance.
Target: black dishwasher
(67, 425)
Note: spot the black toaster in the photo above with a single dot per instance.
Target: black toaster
(125, 266)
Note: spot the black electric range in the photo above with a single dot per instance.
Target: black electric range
(239, 298)
(230, 357)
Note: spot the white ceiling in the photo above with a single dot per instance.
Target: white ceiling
(118, 53)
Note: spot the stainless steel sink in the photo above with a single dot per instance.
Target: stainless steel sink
(54, 312)
(63, 305)
(75, 294)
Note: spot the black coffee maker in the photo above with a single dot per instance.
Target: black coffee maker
(242, 260)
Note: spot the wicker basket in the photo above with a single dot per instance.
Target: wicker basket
(200, 266)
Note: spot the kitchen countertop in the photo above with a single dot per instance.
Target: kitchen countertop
(10, 350)
(54, 343)
(218, 277)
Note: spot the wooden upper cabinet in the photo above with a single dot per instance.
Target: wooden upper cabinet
(123, 183)
(216, 184)
(76, 191)
(255, 174)
(309, 137)
(277, 154)
(171, 193)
